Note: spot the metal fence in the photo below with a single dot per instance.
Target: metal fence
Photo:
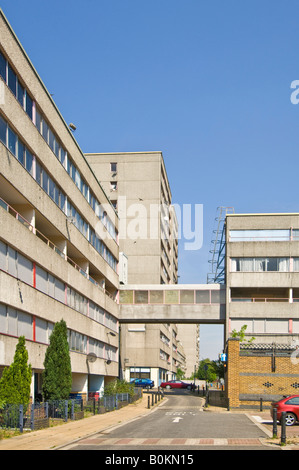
(40, 415)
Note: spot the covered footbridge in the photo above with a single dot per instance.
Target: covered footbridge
(176, 303)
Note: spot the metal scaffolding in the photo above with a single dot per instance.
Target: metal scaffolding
(218, 243)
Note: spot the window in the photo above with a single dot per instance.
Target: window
(113, 167)
(29, 161)
(260, 264)
(21, 152)
(21, 94)
(113, 185)
(12, 80)
(3, 67)
(29, 105)
(259, 235)
(12, 141)
(3, 127)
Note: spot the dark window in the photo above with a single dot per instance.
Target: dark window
(21, 93)
(12, 80)
(29, 104)
(293, 401)
(29, 160)
(3, 67)
(3, 127)
(12, 141)
(21, 152)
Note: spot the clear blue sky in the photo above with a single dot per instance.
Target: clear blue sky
(207, 83)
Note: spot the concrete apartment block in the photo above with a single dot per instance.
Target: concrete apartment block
(262, 275)
(54, 263)
(139, 189)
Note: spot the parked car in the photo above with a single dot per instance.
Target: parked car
(175, 384)
(290, 405)
(144, 383)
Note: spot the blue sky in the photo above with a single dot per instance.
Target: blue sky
(205, 82)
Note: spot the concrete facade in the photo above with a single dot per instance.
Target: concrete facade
(262, 274)
(138, 187)
(54, 263)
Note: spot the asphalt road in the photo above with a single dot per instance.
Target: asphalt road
(178, 425)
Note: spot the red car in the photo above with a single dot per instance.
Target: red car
(290, 405)
(175, 384)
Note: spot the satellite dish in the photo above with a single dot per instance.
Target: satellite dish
(108, 362)
(91, 357)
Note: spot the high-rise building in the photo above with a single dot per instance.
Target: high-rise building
(138, 187)
(262, 274)
(54, 264)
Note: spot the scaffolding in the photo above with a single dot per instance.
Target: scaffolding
(218, 243)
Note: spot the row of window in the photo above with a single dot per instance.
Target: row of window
(20, 92)
(12, 81)
(265, 325)
(17, 265)
(264, 264)
(274, 235)
(13, 142)
(171, 296)
(17, 323)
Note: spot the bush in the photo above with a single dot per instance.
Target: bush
(119, 386)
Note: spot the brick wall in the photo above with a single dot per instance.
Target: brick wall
(250, 377)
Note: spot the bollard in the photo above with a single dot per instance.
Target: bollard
(152, 399)
(148, 402)
(65, 410)
(274, 432)
(261, 404)
(283, 436)
(155, 398)
(21, 418)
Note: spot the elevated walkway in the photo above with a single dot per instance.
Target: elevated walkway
(176, 303)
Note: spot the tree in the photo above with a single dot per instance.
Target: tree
(206, 371)
(241, 335)
(57, 375)
(16, 379)
(180, 374)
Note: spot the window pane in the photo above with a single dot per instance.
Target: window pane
(41, 330)
(29, 104)
(272, 264)
(156, 297)
(25, 325)
(202, 296)
(38, 173)
(141, 297)
(45, 130)
(3, 67)
(21, 152)
(45, 181)
(21, 93)
(12, 141)
(12, 325)
(3, 250)
(29, 160)
(25, 269)
(187, 296)
(12, 80)
(3, 319)
(38, 120)
(171, 296)
(3, 127)
(125, 296)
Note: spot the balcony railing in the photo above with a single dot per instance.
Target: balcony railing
(50, 244)
(264, 299)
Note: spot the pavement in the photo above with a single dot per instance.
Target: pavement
(59, 436)
(63, 435)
